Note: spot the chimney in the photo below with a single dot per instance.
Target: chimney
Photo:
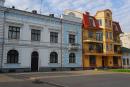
(51, 15)
(87, 13)
(13, 7)
(34, 11)
(2, 2)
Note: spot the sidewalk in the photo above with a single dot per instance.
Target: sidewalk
(12, 77)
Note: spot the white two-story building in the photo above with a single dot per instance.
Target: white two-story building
(34, 42)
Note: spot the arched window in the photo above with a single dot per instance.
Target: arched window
(72, 14)
(72, 58)
(12, 56)
(53, 57)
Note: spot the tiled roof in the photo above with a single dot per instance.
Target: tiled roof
(116, 27)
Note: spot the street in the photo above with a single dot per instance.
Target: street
(66, 79)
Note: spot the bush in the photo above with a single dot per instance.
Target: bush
(120, 70)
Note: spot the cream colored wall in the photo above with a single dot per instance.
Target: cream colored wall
(125, 39)
(78, 14)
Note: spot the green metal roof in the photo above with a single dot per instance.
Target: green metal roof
(124, 49)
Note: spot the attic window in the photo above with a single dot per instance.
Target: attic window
(116, 28)
(72, 14)
(91, 21)
(108, 15)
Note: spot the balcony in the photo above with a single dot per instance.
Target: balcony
(118, 53)
(93, 52)
(74, 46)
(93, 39)
(117, 42)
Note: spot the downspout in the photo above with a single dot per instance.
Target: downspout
(61, 44)
(3, 42)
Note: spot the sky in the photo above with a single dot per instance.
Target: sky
(120, 8)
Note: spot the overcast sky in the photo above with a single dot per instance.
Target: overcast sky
(120, 8)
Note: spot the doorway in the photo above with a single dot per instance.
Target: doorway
(104, 61)
(34, 61)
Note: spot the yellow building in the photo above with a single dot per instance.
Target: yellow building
(101, 41)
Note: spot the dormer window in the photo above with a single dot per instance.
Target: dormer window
(91, 21)
(100, 22)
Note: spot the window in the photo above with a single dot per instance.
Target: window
(53, 57)
(72, 58)
(99, 48)
(100, 22)
(111, 46)
(14, 32)
(92, 60)
(107, 35)
(71, 38)
(35, 35)
(91, 47)
(111, 35)
(12, 57)
(99, 36)
(53, 37)
(107, 47)
(91, 21)
(90, 34)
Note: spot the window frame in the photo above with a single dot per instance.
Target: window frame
(53, 37)
(35, 35)
(72, 38)
(53, 57)
(14, 32)
(99, 22)
(12, 57)
(72, 58)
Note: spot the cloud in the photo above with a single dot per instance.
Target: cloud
(120, 8)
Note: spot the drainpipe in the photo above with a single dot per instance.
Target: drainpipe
(3, 42)
(61, 44)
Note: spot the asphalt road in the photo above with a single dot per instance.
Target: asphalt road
(65, 80)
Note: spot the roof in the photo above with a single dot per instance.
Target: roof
(116, 27)
(124, 49)
(26, 12)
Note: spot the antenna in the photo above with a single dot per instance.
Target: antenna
(41, 7)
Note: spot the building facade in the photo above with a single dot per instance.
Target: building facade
(125, 39)
(103, 46)
(72, 41)
(101, 41)
(125, 57)
(33, 42)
